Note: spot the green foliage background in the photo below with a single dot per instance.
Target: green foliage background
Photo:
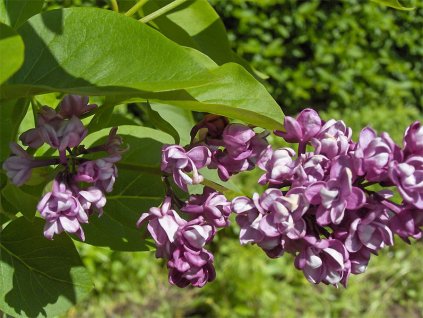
(354, 60)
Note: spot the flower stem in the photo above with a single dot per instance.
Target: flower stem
(135, 8)
(161, 11)
(115, 6)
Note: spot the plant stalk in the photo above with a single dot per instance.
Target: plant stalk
(161, 11)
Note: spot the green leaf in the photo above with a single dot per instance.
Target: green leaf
(39, 277)
(16, 12)
(132, 60)
(393, 4)
(11, 52)
(15, 111)
(24, 199)
(196, 24)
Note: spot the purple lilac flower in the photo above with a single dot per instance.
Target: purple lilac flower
(102, 172)
(408, 177)
(334, 197)
(163, 223)
(333, 139)
(373, 154)
(178, 162)
(407, 223)
(62, 211)
(33, 137)
(278, 164)
(19, 166)
(323, 261)
(370, 231)
(413, 139)
(212, 205)
(186, 267)
(74, 105)
(303, 128)
(310, 168)
(92, 198)
(243, 148)
(195, 234)
(210, 129)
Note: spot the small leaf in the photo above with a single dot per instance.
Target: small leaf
(11, 52)
(40, 278)
(393, 4)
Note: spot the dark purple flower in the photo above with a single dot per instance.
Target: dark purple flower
(210, 129)
(227, 166)
(62, 211)
(236, 139)
(407, 223)
(19, 166)
(186, 267)
(413, 139)
(278, 165)
(74, 105)
(212, 205)
(373, 154)
(178, 162)
(302, 129)
(163, 223)
(408, 177)
(68, 134)
(323, 261)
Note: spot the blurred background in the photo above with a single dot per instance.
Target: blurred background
(350, 59)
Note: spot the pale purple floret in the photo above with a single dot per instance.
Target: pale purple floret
(303, 128)
(310, 168)
(102, 172)
(163, 224)
(334, 197)
(333, 139)
(408, 177)
(323, 261)
(407, 223)
(179, 162)
(62, 211)
(212, 205)
(92, 199)
(371, 232)
(186, 267)
(195, 234)
(74, 105)
(278, 164)
(373, 155)
(413, 139)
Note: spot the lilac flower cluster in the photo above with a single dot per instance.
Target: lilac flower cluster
(319, 206)
(230, 148)
(320, 203)
(79, 188)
